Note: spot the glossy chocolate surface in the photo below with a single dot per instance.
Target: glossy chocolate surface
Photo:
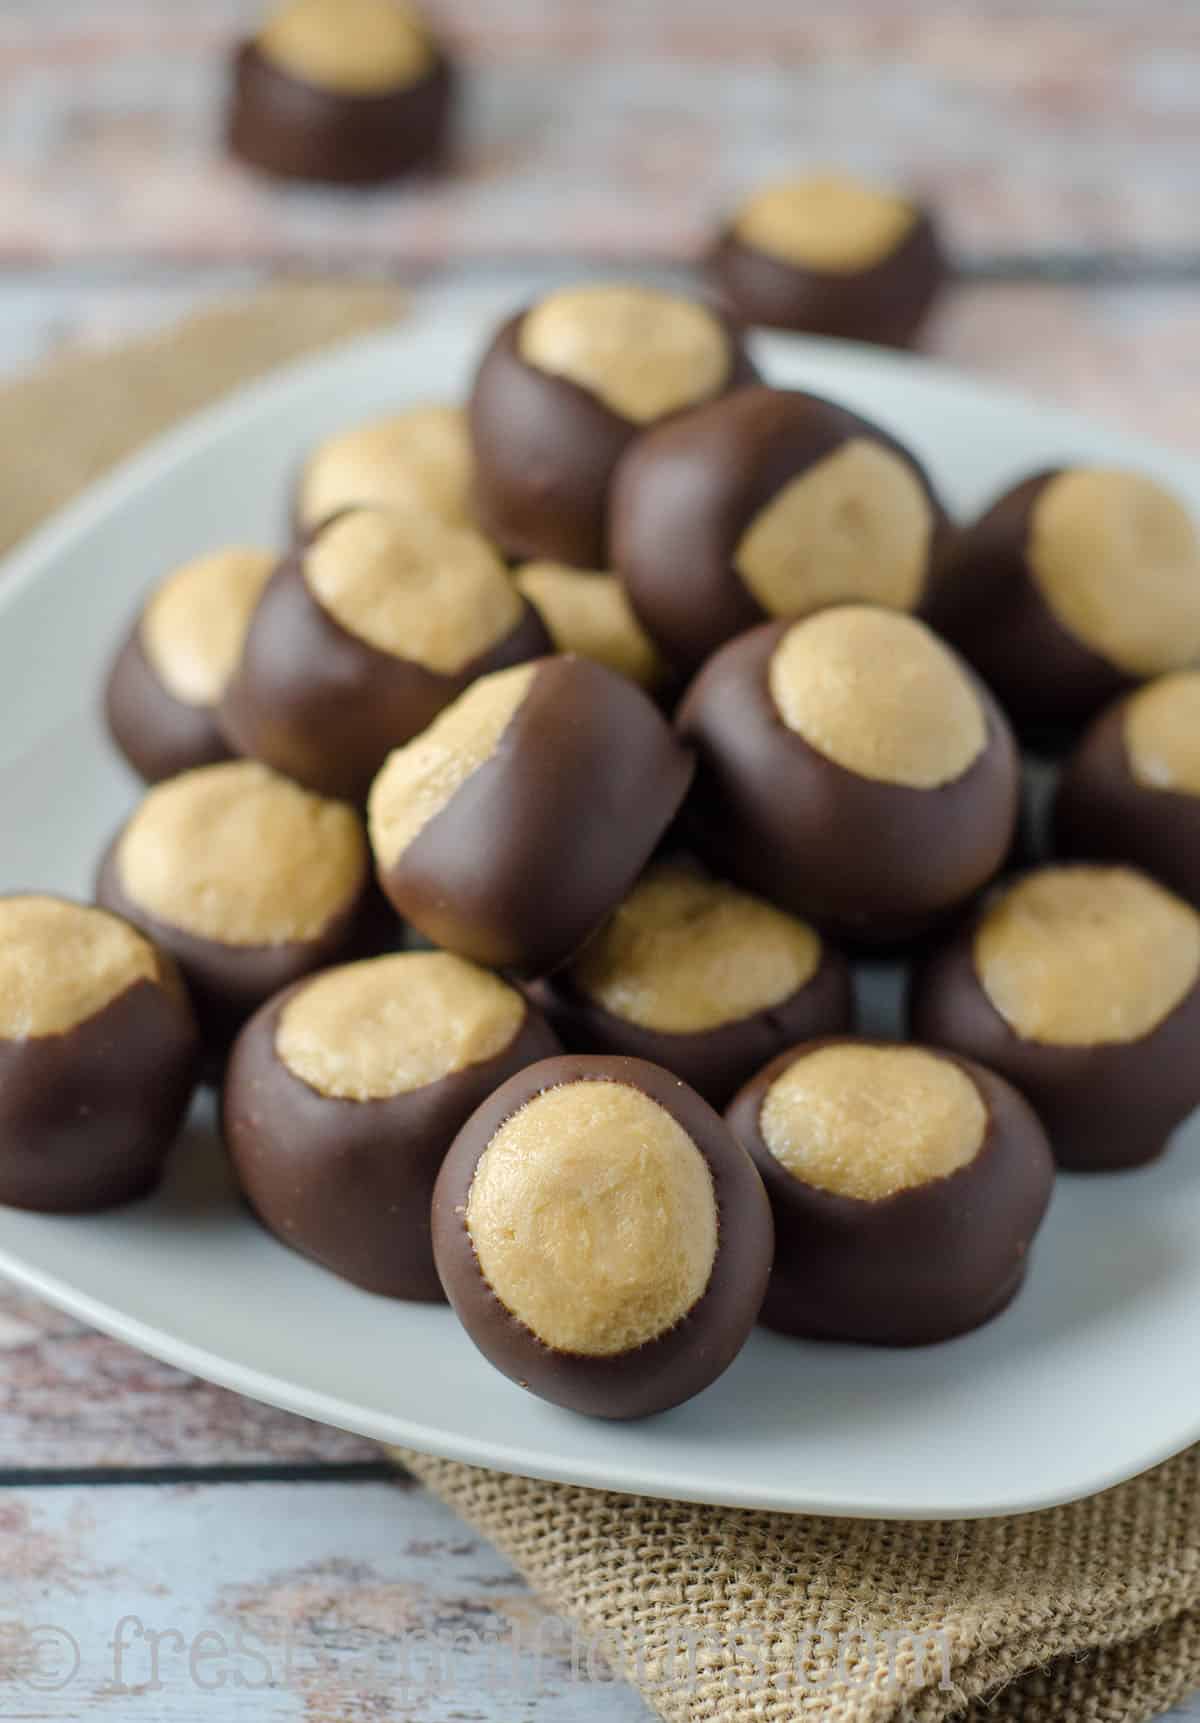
(159, 735)
(545, 838)
(545, 452)
(886, 303)
(1104, 1107)
(296, 130)
(349, 1183)
(687, 490)
(325, 707)
(873, 862)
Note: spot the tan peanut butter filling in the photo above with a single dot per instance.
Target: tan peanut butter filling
(417, 781)
(827, 222)
(61, 963)
(589, 614)
(1081, 956)
(417, 460)
(643, 353)
(194, 624)
(1117, 559)
(594, 1218)
(239, 855)
(856, 525)
(867, 1122)
(879, 694)
(1161, 729)
(369, 1031)
(413, 587)
(356, 47)
(685, 953)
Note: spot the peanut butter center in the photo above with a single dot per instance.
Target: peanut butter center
(589, 614)
(826, 222)
(356, 47)
(418, 460)
(1162, 734)
(62, 963)
(594, 1218)
(194, 625)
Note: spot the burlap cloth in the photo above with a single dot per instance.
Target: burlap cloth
(1086, 1612)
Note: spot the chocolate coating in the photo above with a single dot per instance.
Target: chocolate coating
(87, 1116)
(989, 607)
(545, 452)
(687, 490)
(873, 862)
(227, 983)
(349, 1183)
(1104, 1107)
(921, 1265)
(714, 1062)
(325, 707)
(886, 303)
(296, 130)
(665, 1371)
(544, 838)
(1102, 812)
(159, 735)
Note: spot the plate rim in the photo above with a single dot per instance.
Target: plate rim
(267, 395)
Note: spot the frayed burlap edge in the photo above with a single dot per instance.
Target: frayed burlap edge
(1082, 1613)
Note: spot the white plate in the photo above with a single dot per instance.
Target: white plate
(1087, 1379)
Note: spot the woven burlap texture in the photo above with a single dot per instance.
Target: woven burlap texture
(1088, 1612)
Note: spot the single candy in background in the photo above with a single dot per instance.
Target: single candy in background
(343, 1095)
(603, 1239)
(168, 678)
(98, 1056)
(828, 254)
(1081, 985)
(906, 1184)
(351, 92)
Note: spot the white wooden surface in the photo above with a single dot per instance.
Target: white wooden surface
(1059, 139)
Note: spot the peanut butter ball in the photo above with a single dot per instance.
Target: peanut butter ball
(769, 503)
(1131, 790)
(1081, 985)
(419, 460)
(366, 631)
(906, 1184)
(565, 387)
(852, 770)
(1074, 587)
(247, 880)
(830, 254)
(98, 1056)
(352, 92)
(516, 823)
(603, 1239)
(344, 1093)
(704, 979)
(170, 674)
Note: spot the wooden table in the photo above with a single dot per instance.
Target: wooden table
(1060, 141)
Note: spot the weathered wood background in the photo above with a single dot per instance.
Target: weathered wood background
(1059, 138)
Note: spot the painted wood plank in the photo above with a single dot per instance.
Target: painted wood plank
(273, 1603)
(605, 129)
(71, 1398)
